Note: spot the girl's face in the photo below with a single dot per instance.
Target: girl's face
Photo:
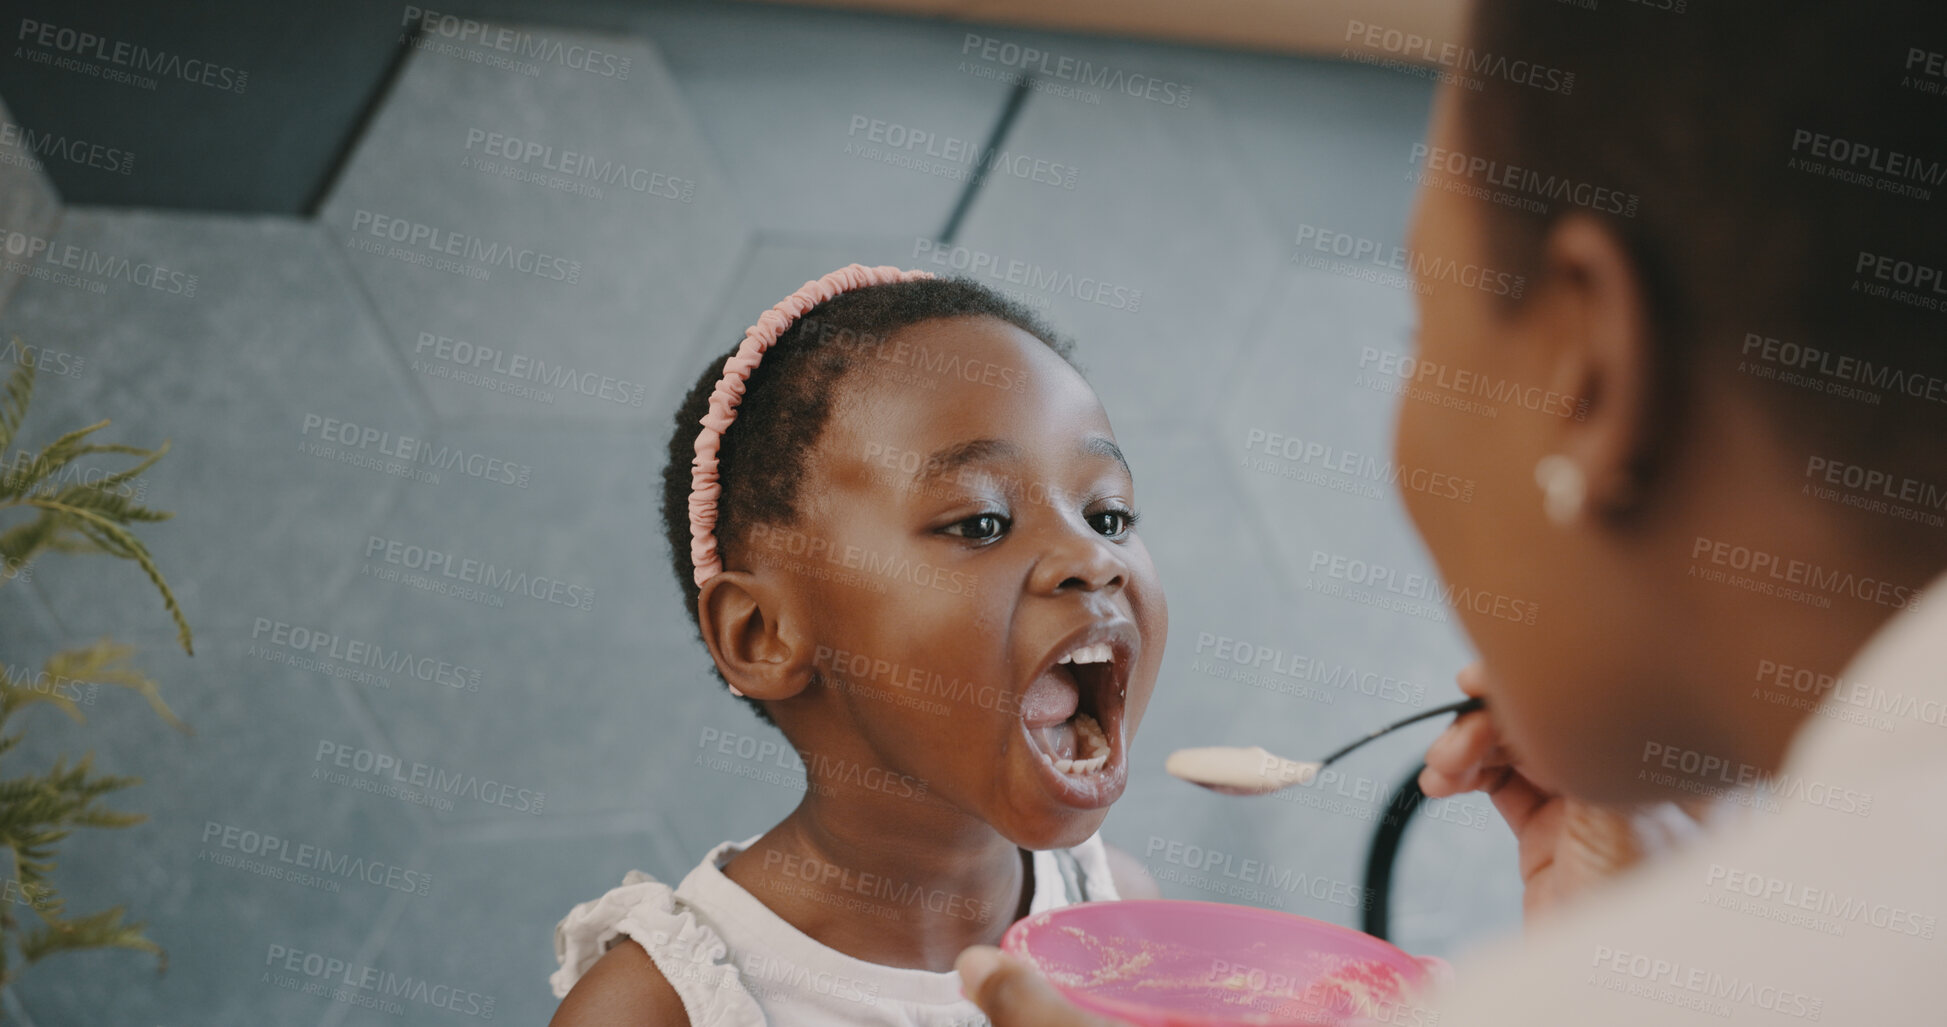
(966, 529)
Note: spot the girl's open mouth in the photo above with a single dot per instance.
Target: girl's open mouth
(1072, 713)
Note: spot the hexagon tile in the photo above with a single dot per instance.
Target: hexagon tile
(240, 341)
(536, 237)
(831, 122)
(1158, 295)
(254, 838)
(416, 460)
(29, 206)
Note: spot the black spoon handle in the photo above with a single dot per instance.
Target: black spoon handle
(1459, 709)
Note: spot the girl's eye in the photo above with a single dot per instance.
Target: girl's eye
(1113, 523)
(979, 527)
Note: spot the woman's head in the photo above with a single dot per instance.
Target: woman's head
(922, 511)
(1710, 238)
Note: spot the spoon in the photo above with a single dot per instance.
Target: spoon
(1253, 771)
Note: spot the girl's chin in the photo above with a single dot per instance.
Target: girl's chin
(1060, 830)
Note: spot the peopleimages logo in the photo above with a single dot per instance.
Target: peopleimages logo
(1772, 569)
(1356, 467)
(1435, 375)
(1842, 370)
(578, 165)
(435, 780)
(469, 571)
(1919, 285)
(44, 361)
(892, 892)
(982, 264)
(299, 638)
(1300, 667)
(116, 55)
(888, 566)
(1848, 160)
(527, 45)
(1466, 59)
(1876, 491)
(1227, 867)
(812, 767)
(1831, 691)
(362, 984)
(1520, 187)
(43, 255)
(1702, 773)
(1421, 267)
(413, 451)
(1690, 986)
(282, 856)
(1027, 60)
(1389, 581)
(417, 235)
(1831, 908)
(34, 147)
(947, 156)
(517, 374)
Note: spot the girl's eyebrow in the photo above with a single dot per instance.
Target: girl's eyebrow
(1102, 445)
(947, 459)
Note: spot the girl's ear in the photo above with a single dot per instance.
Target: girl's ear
(757, 633)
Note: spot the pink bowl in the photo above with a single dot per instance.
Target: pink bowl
(1163, 963)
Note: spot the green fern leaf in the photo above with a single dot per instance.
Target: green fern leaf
(137, 552)
(13, 402)
(94, 931)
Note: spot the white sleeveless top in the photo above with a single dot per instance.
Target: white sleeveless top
(735, 963)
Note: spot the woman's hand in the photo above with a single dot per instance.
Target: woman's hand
(1014, 994)
(1565, 845)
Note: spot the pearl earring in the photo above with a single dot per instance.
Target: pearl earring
(1563, 488)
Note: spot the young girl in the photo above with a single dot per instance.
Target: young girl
(906, 536)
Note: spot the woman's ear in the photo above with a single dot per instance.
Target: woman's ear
(1596, 317)
(756, 633)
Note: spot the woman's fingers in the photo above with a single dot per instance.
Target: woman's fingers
(1012, 994)
(1528, 811)
(1466, 755)
(1456, 760)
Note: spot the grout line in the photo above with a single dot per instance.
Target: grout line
(335, 170)
(1012, 110)
(410, 383)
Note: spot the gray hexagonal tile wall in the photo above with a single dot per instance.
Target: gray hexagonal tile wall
(1277, 111)
(1156, 293)
(833, 124)
(536, 243)
(220, 870)
(356, 416)
(29, 206)
(584, 653)
(248, 352)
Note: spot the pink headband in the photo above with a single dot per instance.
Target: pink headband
(704, 487)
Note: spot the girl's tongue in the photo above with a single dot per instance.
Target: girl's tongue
(1050, 700)
(1050, 709)
(1046, 708)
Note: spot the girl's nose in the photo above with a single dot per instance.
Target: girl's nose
(1079, 561)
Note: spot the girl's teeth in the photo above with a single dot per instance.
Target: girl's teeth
(1089, 736)
(1097, 653)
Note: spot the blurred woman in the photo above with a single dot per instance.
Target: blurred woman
(1729, 220)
